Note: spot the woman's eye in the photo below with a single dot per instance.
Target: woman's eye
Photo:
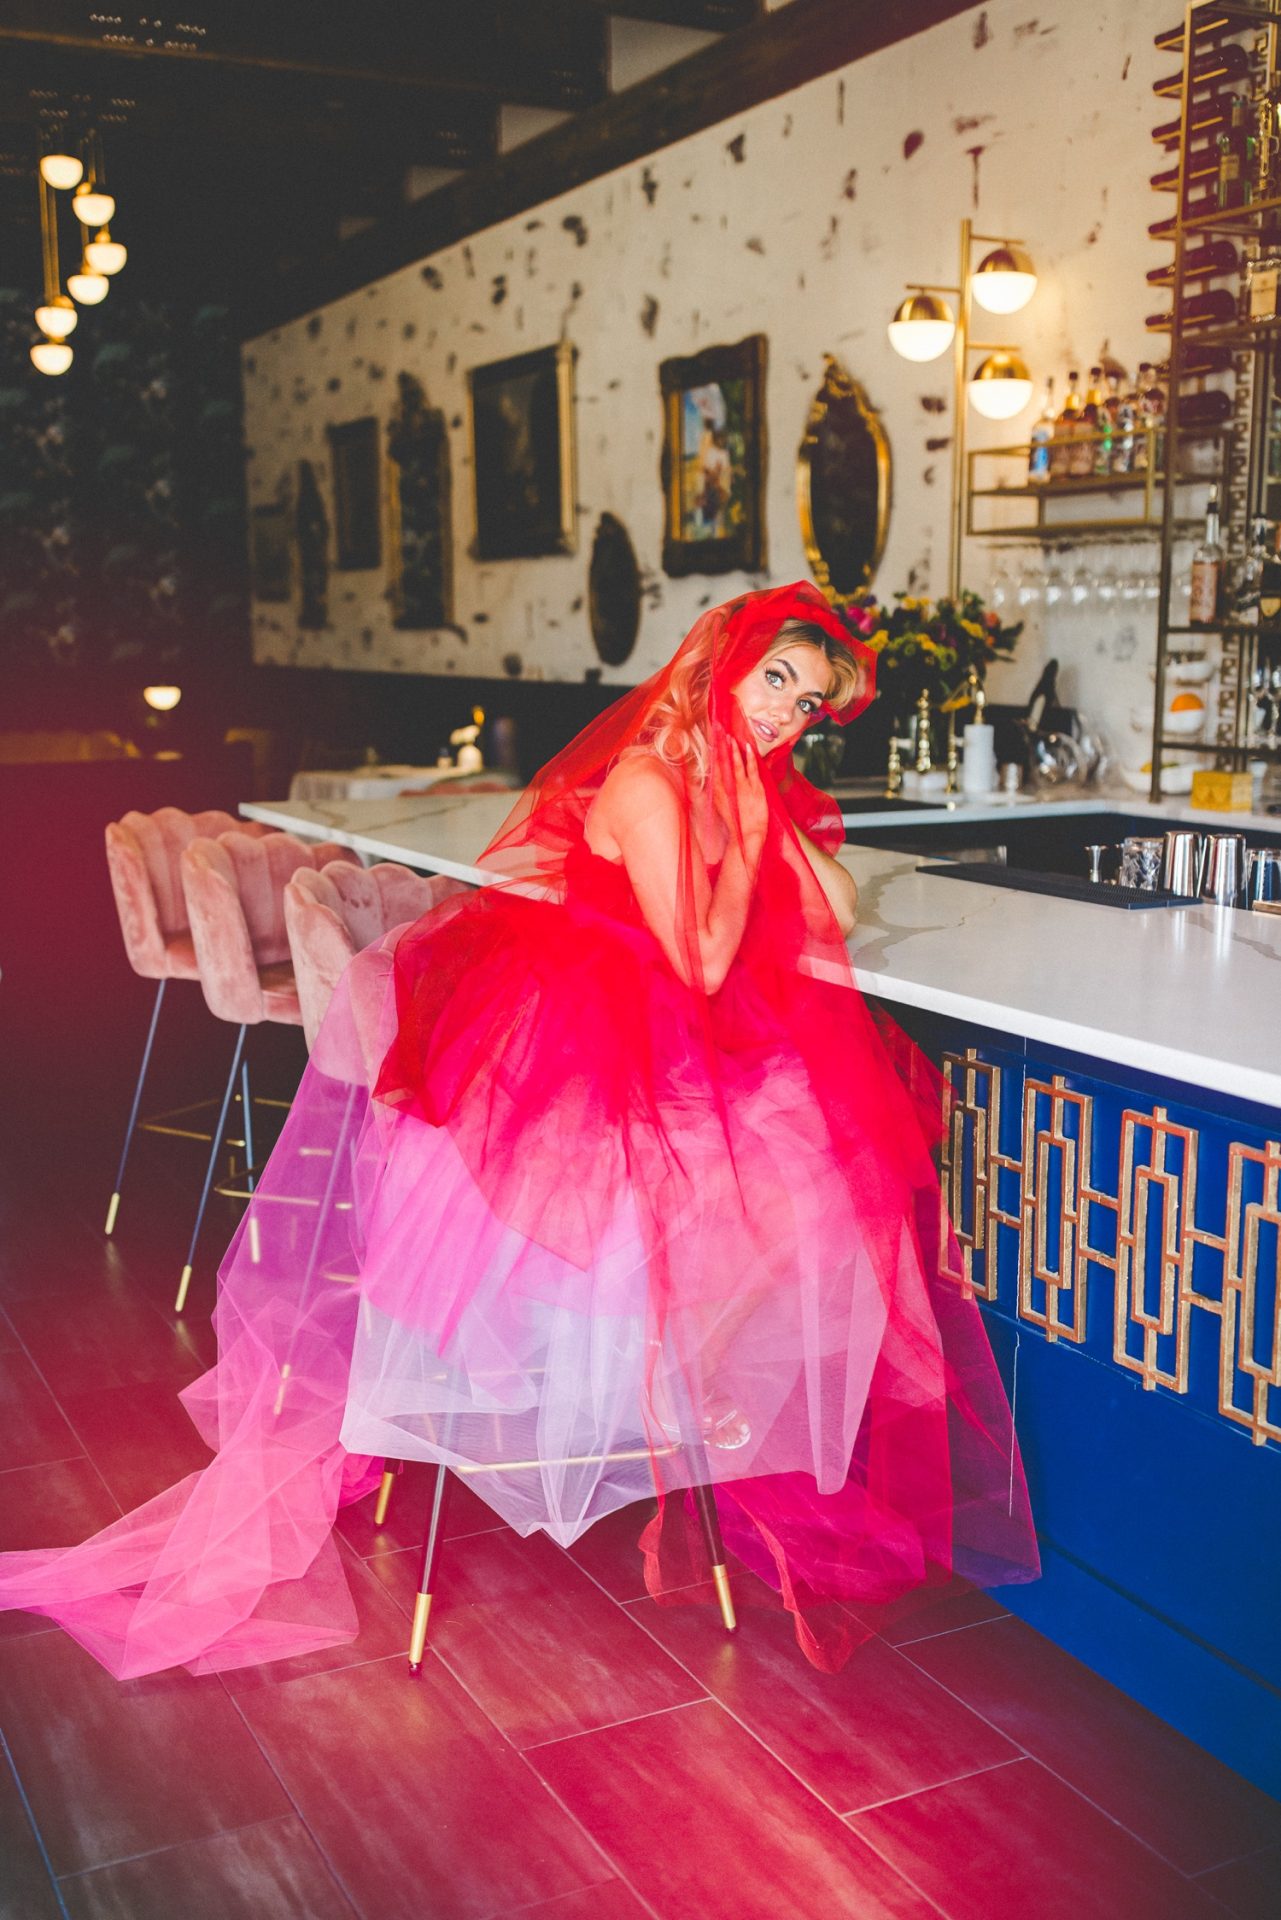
(774, 677)
(808, 708)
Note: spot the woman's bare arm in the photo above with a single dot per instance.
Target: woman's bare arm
(640, 812)
(837, 883)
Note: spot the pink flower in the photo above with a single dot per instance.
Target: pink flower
(864, 618)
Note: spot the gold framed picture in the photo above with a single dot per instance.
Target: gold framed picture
(714, 459)
(522, 444)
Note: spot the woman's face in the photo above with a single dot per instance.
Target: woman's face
(782, 694)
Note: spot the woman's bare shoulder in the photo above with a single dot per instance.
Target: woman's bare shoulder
(640, 783)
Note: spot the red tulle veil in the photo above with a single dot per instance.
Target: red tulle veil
(593, 1213)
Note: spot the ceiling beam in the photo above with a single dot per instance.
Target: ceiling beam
(545, 55)
(781, 51)
(708, 16)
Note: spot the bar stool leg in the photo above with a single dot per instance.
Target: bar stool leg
(385, 1486)
(705, 1504)
(114, 1207)
(214, 1145)
(431, 1552)
(247, 1114)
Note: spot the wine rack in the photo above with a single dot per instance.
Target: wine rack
(1222, 215)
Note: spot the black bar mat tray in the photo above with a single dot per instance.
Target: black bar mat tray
(1063, 886)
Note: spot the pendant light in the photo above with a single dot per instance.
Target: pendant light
(51, 356)
(56, 317)
(923, 327)
(1004, 280)
(61, 170)
(104, 254)
(1001, 386)
(92, 208)
(87, 288)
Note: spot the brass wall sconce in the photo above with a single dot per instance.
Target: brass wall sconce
(925, 326)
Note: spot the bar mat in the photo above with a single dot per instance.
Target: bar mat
(1063, 886)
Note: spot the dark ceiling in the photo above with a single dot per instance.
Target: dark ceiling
(244, 138)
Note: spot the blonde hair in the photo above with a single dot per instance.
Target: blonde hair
(676, 730)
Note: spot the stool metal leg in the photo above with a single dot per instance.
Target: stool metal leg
(385, 1486)
(705, 1503)
(247, 1114)
(218, 1133)
(114, 1206)
(431, 1552)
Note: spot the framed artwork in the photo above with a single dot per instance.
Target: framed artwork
(843, 486)
(269, 569)
(714, 459)
(311, 531)
(353, 459)
(420, 588)
(522, 444)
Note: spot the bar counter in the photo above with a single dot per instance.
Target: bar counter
(1112, 1173)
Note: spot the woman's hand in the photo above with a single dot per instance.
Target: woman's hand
(741, 800)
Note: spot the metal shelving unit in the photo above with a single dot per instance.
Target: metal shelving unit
(1253, 346)
(1147, 486)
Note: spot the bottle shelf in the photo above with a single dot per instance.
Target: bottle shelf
(1229, 219)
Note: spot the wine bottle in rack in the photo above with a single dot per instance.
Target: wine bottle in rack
(1216, 64)
(1207, 30)
(1212, 307)
(1238, 150)
(1210, 262)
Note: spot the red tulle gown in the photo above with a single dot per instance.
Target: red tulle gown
(597, 1233)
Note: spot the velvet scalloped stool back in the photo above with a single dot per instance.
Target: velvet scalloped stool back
(144, 852)
(336, 912)
(234, 888)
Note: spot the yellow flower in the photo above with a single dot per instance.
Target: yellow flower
(879, 640)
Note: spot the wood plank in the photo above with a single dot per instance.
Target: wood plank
(781, 51)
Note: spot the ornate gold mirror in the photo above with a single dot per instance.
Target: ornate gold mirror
(843, 485)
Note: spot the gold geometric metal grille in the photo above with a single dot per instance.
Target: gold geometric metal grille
(1169, 1273)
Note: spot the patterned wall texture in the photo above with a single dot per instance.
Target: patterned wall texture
(801, 219)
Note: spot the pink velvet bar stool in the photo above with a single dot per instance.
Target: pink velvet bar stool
(234, 887)
(144, 851)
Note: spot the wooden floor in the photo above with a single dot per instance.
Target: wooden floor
(571, 1751)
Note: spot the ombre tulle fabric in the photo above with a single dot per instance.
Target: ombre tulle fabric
(597, 1233)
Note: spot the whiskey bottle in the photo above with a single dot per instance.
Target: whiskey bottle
(1108, 427)
(1084, 444)
(1207, 569)
(1040, 453)
(1127, 439)
(1065, 430)
(1247, 586)
(1237, 144)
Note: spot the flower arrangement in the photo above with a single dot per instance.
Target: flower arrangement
(936, 647)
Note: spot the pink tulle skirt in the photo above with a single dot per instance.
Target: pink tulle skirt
(624, 1294)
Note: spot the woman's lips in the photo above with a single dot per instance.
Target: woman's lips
(766, 731)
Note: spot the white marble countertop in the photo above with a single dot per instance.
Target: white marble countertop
(1184, 992)
(1059, 800)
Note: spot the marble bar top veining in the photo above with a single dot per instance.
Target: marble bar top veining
(1189, 993)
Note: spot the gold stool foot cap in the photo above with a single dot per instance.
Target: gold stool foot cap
(384, 1496)
(720, 1579)
(112, 1211)
(418, 1631)
(183, 1284)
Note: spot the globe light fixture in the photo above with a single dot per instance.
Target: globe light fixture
(92, 208)
(923, 327)
(1004, 280)
(162, 699)
(51, 356)
(88, 289)
(104, 254)
(61, 170)
(1000, 387)
(58, 317)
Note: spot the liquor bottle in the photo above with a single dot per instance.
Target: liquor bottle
(1105, 426)
(1127, 439)
(1151, 444)
(1270, 584)
(1207, 569)
(1247, 586)
(1065, 430)
(1210, 262)
(1238, 146)
(1205, 117)
(1203, 163)
(1084, 444)
(1209, 409)
(1212, 307)
(1040, 452)
(1230, 62)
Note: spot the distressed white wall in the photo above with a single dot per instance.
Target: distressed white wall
(801, 219)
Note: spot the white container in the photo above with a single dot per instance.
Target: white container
(978, 758)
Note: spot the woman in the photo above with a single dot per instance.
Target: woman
(641, 1200)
